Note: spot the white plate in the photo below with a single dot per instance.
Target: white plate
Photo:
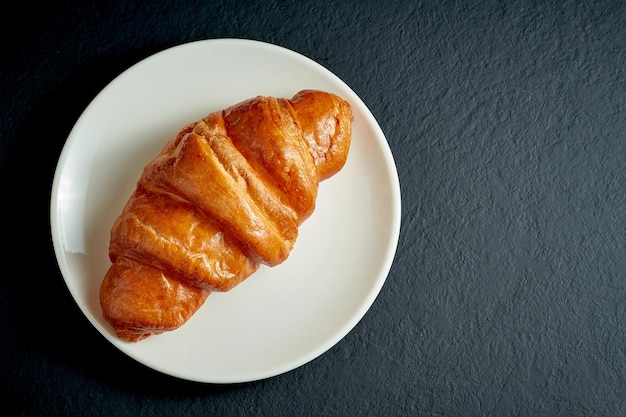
(281, 317)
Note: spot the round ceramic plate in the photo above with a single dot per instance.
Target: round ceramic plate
(279, 318)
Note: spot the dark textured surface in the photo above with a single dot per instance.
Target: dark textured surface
(508, 124)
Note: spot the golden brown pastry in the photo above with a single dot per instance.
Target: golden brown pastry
(225, 195)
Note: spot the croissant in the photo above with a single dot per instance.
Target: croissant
(225, 195)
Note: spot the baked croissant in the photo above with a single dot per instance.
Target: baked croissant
(225, 195)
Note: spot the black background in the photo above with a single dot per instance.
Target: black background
(507, 121)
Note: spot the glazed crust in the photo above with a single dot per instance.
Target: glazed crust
(141, 300)
(225, 195)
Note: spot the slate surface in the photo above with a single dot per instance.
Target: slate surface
(508, 124)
